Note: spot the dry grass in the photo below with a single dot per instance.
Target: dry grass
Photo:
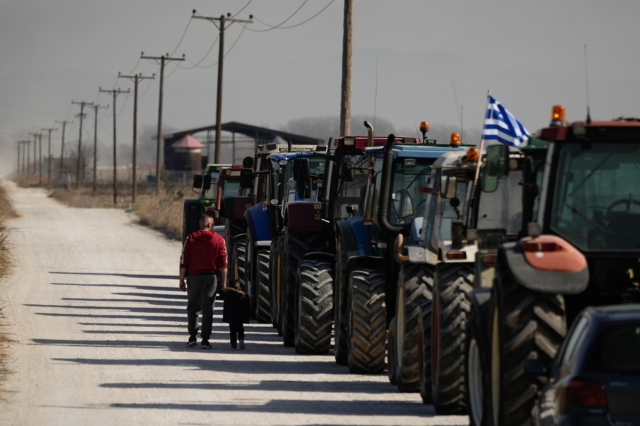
(162, 212)
(6, 263)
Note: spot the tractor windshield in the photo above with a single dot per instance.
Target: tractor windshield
(596, 202)
(407, 201)
(352, 178)
(502, 208)
(231, 187)
(316, 166)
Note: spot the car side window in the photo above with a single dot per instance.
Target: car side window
(579, 331)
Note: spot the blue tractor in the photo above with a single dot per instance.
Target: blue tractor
(394, 198)
(265, 220)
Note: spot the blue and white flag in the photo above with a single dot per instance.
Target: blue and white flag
(501, 126)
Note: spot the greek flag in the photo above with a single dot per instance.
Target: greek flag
(501, 126)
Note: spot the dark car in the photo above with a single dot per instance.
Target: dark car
(595, 377)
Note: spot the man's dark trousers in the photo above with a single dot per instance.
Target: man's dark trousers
(201, 293)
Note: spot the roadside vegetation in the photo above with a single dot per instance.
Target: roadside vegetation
(6, 262)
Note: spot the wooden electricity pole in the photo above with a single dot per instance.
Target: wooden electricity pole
(82, 105)
(115, 93)
(64, 125)
(18, 157)
(163, 59)
(49, 155)
(136, 79)
(35, 151)
(95, 143)
(345, 94)
(223, 20)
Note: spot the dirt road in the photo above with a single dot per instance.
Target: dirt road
(101, 331)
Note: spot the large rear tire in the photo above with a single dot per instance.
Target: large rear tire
(240, 247)
(524, 325)
(451, 309)
(424, 350)
(314, 305)
(416, 284)
(392, 356)
(263, 313)
(341, 290)
(274, 283)
(367, 322)
(297, 244)
(474, 376)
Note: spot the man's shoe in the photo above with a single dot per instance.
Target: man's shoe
(205, 344)
(241, 344)
(233, 347)
(192, 342)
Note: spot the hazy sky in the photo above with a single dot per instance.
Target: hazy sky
(530, 54)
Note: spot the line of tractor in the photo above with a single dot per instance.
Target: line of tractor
(448, 267)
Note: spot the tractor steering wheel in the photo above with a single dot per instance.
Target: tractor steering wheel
(626, 201)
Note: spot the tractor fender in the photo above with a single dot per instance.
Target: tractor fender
(233, 206)
(321, 255)
(370, 263)
(356, 236)
(546, 275)
(238, 237)
(481, 300)
(300, 217)
(258, 223)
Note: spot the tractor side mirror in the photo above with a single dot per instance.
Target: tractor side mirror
(197, 181)
(206, 182)
(405, 205)
(247, 162)
(448, 183)
(301, 172)
(497, 161)
(347, 172)
(246, 178)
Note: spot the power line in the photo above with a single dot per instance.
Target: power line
(292, 26)
(225, 55)
(181, 38)
(243, 8)
(281, 23)
(203, 58)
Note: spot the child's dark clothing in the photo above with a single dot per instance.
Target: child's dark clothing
(236, 313)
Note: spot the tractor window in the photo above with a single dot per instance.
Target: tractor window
(350, 193)
(596, 202)
(447, 214)
(502, 209)
(409, 175)
(231, 187)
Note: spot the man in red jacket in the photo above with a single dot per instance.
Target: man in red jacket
(203, 254)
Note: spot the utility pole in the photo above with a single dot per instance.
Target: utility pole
(35, 150)
(82, 105)
(40, 157)
(24, 155)
(136, 79)
(64, 125)
(345, 94)
(163, 59)
(28, 156)
(18, 168)
(223, 21)
(95, 143)
(49, 157)
(115, 93)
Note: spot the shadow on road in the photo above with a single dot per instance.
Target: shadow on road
(111, 274)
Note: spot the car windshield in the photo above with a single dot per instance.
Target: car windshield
(616, 350)
(596, 202)
(407, 201)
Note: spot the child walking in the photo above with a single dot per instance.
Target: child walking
(236, 312)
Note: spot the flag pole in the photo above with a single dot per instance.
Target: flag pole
(477, 176)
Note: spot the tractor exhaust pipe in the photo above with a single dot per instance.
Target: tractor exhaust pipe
(369, 133)
(385, 190)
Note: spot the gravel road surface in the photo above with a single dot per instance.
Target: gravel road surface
(101, 330)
